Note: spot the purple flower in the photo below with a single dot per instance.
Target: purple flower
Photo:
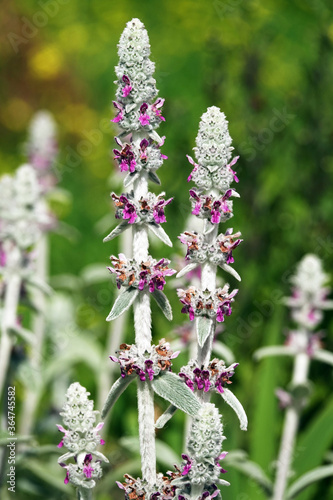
(224, 379)
(158, 212)
(188, 464)
(127, 89)
(221, 457)
(87, 469)
(196, 166)
(125, 157)
(144, 117)
(187, 380)
(156, 108)
(130, 213)
(120, 114)
(150, 372)
(234, 160)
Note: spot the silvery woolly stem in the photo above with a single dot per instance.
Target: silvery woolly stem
(142, 325)
(290, 428)
(208, 281)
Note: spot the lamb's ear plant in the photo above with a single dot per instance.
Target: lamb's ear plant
(307, 303)
(82, 461)
(42, 150)
(208, 304)
(139, 114)
(23, 219)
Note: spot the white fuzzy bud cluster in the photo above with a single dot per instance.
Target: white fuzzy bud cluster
(81, 438)
(201, 468)
(309, 292)
(23, 215)
(213, 152)
(204, 445)
(136, 85)
(134, 62)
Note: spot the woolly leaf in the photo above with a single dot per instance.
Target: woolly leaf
(308, 478)
(123, 302)
(160, 233)
(116, 231)
(154, 135)
(26, 335)
(166, 416)
(130, 178)
(236, 405)
(163, 302)
(154, 178)
(187, 269)
(223, 352)
(37, 283)
(324, 356)
(274, 350)
(204, 327)
(116, 390)
(231, 270)
(238, 460)
(170, 387)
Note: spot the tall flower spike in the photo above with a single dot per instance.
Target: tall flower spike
(136, 85)
(142, 276)
(23, 218)
(308, 300)
(309, 293)
(211, 201)
(201, 469)
(81, 438)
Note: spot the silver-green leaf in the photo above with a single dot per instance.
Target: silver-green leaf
(238, 460)
(274, 350)
(308, 478)
(324, 356)
(166, 416)
(154, 135)
(187, 269)
(26, 335)
(231, 270)
(170, 387)
(160, 233)
(154, 178)
(236, 405)
(223, 352)
(116, 390)
(130, 178)
(163, 302)
(204, 327)
(116, 231)
(123, 302)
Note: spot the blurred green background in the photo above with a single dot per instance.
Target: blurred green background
(268, 65)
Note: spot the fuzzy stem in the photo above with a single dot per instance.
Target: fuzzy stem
(300, 377)
(33, 394)
(84, 494)
(9, 318)
(208, 282)
(142, 324)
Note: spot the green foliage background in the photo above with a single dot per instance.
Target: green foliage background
(256, 60)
